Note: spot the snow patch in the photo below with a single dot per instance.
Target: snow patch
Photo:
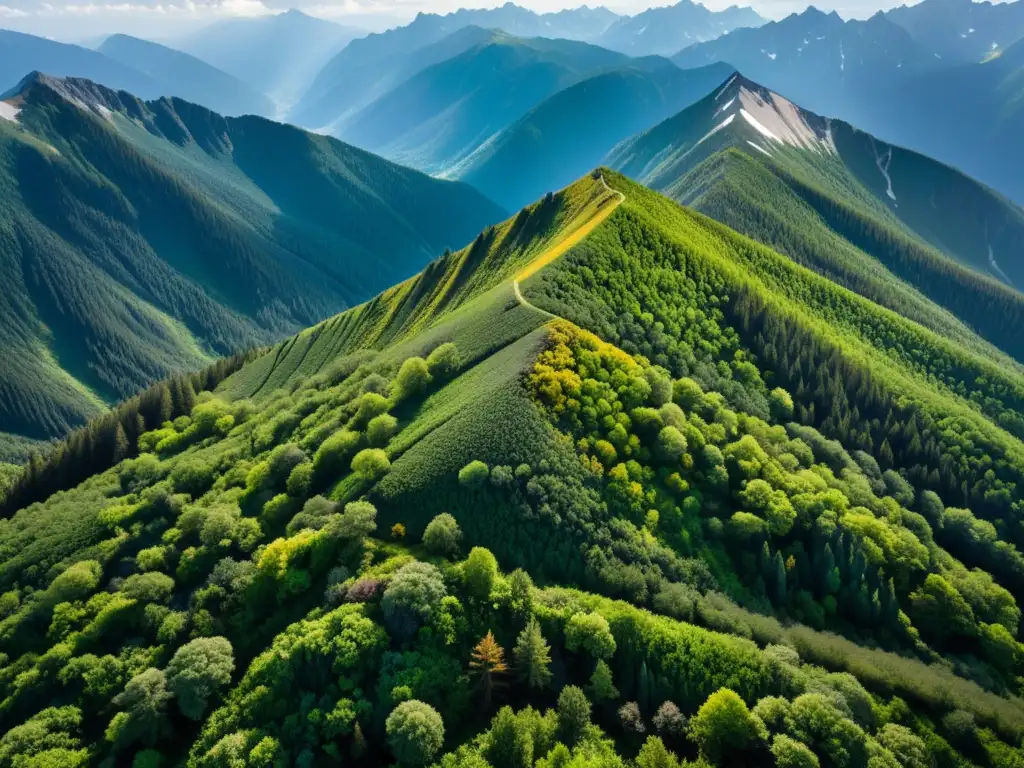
(970, 31)
(642, 29)
(769, 55)
(994, 46)
(780, 120)
(717, 128)
(725, 87)
(883, 162)
(842, 59)
(757, 126)
(9, 112)
(936, 56)
(759, 148)
(995, 266)
(726, 105)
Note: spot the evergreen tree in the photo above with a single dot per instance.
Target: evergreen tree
(533, 656)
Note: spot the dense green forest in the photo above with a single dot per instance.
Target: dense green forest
(142, 239)
(613, 485)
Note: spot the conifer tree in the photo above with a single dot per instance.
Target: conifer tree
(532, 656)
(487, 664)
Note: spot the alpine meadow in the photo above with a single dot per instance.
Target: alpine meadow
(511, 387)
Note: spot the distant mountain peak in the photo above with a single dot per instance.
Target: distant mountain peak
(757, 118)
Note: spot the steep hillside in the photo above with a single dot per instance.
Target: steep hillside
(570, 132)
(141, 238)
(607, 392)
(442, 114)
(277, 55)
(664, 31)
(961, 30)
(187, 77)
(21, 54)
(893, 225)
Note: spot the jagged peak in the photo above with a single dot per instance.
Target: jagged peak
(763, 119)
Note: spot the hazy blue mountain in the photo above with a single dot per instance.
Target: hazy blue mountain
(569, 133)
(887, 222)
(21, 54)
(187, 77)
(445, 112)
(139, 238)
(961, 30)
(370, 67)
(278, 55)
(663, 31)
(971, 116)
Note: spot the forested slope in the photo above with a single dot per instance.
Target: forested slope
(798, 537)
(901, 229)
(142, 238)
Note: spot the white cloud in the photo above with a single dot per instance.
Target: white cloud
(11, 13)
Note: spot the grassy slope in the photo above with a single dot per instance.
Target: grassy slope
(146, 241)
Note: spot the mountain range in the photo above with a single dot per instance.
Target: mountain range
(891, 79)
(443, 113)
(663, 31)
(905, 231)
(142, 238)
(279, 55)
(572, 131)
(371, 66)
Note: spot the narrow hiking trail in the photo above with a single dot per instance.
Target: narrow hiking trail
(562, 246)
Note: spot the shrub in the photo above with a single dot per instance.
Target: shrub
(415, 732)
(371, 464)
(444, 361)
(474, 474)
(723, 725)
(413, 377)
(381, 429)
(442, 535)
(413, 594)
(197, 670)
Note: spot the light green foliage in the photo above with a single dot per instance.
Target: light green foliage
(590, 633)
(601, 687)
(197, 671)
(371, 464)
(723, 726)
(148, 587)
(474, 474)
(444, 361)
(790, 753)
(654, 754)
(412, 378)
(415, 732)
(381, 429)
(480, 571)
(442, 535)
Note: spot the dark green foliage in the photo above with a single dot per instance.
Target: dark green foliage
(160, 248)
